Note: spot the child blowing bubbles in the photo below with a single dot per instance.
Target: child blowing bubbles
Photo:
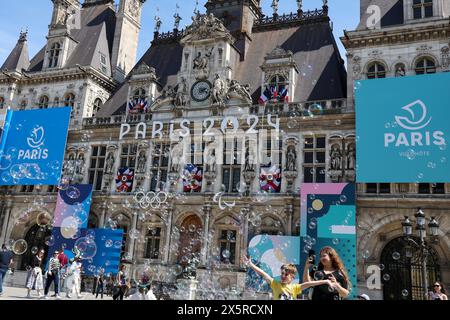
(284, 289)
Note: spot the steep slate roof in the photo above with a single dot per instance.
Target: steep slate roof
(321, 76)
(19, 57)
(96, 35)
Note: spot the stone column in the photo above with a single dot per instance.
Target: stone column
(103, 208)
(132, 243)
(205, 247)
(244, 237)
(7, 208)
(168, 235)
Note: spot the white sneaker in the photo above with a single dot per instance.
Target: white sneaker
(45, 298)
(68, 296)
(58, 297)
(80, 297)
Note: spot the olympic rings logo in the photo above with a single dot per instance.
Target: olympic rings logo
(151, 199)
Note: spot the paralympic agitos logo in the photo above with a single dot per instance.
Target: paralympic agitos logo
(416, 125)
(35, 141)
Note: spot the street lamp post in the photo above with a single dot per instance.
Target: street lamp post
(407, 227)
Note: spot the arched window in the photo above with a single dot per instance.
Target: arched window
(97, 105)
(153, 243)
(425, 66)
(139, 94)
(56, 102)
(69, 101)
(54, 53)
(43, 102)
(376, 70)
(36, 239)
(2, 102)
(422, 9)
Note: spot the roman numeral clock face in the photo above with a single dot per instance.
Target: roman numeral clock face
(201, 91)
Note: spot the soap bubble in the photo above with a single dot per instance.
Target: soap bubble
(405, 293)
(73, 192)
(43, 219)
(319, 275)
(396, 256)
(366, 254)
(335, 241)
(226, 254)
(20, 247)
(87, 248)
(386, 277)
(108, 243)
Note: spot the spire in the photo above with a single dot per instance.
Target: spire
(19, 57)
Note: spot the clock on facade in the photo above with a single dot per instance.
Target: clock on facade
(201, 90)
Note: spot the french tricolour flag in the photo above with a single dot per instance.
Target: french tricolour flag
(266, 95)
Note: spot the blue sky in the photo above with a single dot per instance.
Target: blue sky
(36, 15)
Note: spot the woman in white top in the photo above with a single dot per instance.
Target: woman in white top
(438, 292)
(35, 275)
(73, 280)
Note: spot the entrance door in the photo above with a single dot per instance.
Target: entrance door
(402, 273)
(190, 239)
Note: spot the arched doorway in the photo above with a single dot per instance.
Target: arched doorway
(402, 273)
(190, 239)
(35, 238)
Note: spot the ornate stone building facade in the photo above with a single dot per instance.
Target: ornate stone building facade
(395, 39)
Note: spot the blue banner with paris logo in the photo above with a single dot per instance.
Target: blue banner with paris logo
(32, 146)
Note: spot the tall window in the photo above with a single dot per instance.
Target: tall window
(27, 189)
(228, 246)
(69, 101)
(97, 166)
(160, 165)
(153, 243)
(314, 159)
(97, 105)
(231, 169)
(43, 102)
(422, 9)
(2, 102)
(277, 85)
(103, 63)
(53, 57)
(376, 70)
(128, 156)
(425, 66)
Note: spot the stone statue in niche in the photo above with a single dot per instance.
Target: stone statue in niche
(336, 158)
(182, 94)
(141, 161)
(291, 159)
(400, 71)
(249, 159)
(218, 90)
(176, 155)
(80, 164)
(201, 62)
(109, 164)
(351, 157)
(242, 91)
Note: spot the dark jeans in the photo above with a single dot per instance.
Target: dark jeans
(119, 294)
(54, 277)
(99, 289)
(2, 278)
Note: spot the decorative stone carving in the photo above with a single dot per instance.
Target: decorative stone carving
(176, 155)
(141, 162)
(424, 48)
(205, 26)
(291, 159)
(400, 70)
(218, 91)
(445, 55)
(237, 90)
(336, 157)
(110, 163)
(158, 24)
(274, 6)
(80, 164)
(250, 159)
(351, 157)
(376, 53)
(177, 21)
(356, 65)
(201, 64)
(211, 159)
(181, 98)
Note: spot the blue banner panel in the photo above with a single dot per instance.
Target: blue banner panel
(403, 129)
(328, 221)
(32, 146)
(99, 249)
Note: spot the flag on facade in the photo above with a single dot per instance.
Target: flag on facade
(192, 178)
(138, 106)
(270, 179)
(124, 180)
(284, 96)
(265, 96)
(274, 93)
